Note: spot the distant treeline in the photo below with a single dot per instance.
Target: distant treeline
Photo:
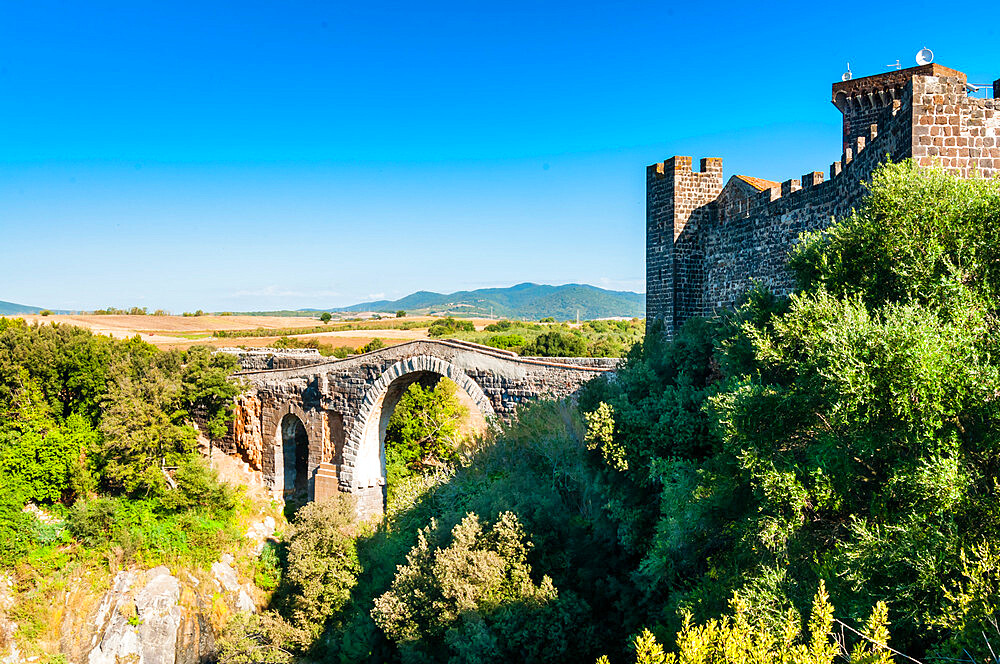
(336, 327)
(133, 311)
(141, 311)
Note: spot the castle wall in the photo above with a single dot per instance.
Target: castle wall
(740, 250)
(707, 246)
(957, 132)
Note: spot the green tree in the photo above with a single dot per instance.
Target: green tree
(325, 317)
(323, 564)
(459, 598)
(556, 344)
(206, 388)
(424, 430)
(401, 314)
(449, 325)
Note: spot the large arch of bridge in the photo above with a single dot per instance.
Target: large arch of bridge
(364, 448)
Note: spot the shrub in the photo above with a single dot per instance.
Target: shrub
(472, 595)
(506, 341)
(198, 487)
(17, 529)
(736, 639)
(499, 326)
(97, 521)
(423, 431)
(922, 235)
(255, 638)
(322, 565)
(556, 344)
(374, 344)
(449, 325)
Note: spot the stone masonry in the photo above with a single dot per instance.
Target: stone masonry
(344, 405)
(708, 241)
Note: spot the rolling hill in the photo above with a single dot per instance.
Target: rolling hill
(12, 309)
(524, 301)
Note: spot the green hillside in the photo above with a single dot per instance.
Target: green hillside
(523, 301)
(12, 309)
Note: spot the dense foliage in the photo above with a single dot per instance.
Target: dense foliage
(424, 432)
(595, 338)
(88, 426)
(842, 438)
(796, 481)
(449, 325)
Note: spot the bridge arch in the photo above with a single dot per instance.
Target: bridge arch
(364, 453)
(291, 441)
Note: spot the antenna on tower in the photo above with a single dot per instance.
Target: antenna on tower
(925, 56)
(895, 64)
(847, 75)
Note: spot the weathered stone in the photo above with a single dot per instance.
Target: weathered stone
(159, 617)
(143, 628)
(707, 242)
(343, 406)
(225, 576)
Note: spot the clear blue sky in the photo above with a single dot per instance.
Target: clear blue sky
(259, 155)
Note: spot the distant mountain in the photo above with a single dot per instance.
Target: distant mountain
(12, 309)
(524, 301)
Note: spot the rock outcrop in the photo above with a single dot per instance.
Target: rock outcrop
(156, 617)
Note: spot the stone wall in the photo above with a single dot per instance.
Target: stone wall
(707, 245)
(959, 132)
(274, 358)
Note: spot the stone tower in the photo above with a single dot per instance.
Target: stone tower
(707, 242)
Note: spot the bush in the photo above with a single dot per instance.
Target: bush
(506, 341)
(198, 487)
(499, 326)
(923, 235)
(556, 344)
(96, 522)
(374, 344)
(400, 314)
(17, 529)
(423, 431)
(255, 638)
(322, 564)
(456, 600)
(449, 325)
(736, 639)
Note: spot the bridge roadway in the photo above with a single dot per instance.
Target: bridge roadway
(308, 426)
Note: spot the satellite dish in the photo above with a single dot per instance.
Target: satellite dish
(925, 56)
(847, 75)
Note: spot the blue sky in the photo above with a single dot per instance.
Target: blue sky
(258, 155)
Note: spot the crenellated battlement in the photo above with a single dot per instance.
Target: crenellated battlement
(708, 240)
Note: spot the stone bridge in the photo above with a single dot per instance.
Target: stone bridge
(308, 426)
